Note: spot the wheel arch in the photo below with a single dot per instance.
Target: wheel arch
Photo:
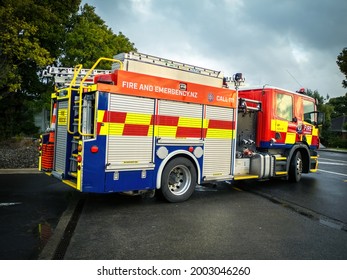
(305, 154)
(176, 154)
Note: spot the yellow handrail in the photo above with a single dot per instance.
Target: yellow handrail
(81, 91)
(75, 74)
(77, 69)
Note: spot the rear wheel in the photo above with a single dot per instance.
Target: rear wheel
(295, 167)
(178, 180)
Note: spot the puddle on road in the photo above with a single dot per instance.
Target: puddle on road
(45, 232)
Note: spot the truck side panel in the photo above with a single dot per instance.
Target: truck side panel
(130, 130)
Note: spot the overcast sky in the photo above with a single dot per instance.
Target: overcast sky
(285, 43)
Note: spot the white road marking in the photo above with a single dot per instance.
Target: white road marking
(332, 163)
(331, 172)
(3, 204)
(334, 160)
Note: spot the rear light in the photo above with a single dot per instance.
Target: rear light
(191, 149)
(94, 149)
(79, 158)
(79, 148)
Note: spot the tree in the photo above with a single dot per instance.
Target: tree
(89, 38)
(37, 33)
(31, 34)
(319, 98)
(340, 106)
(325, 108)
(335, 107)
(19, 46)
(342, 63)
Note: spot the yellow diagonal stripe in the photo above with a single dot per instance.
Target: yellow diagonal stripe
(189, 122)
(205, 123)
(279, 126)
(104, 129)
(115, 128)
(167, 131)
(101, 114)
(309, 139)
(314, 131)
(136, 118)
(219, 133)
(290, 138)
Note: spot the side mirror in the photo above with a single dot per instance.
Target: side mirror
(320, 118)
(316, 118)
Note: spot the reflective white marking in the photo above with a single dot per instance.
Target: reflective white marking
(332, 163)
(334, 160)
(331, 172)
(2, 204)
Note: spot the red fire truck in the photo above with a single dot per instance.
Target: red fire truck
(152, 124)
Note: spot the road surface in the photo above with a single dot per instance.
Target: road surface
(271, 219)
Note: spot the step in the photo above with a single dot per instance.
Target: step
(281, 158)
(245, 177)
(73, 174)
(70, 183)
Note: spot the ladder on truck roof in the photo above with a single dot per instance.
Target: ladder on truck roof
(63, 76)
(76, 106)
(165, 68)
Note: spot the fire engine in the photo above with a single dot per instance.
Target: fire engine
(156, 125)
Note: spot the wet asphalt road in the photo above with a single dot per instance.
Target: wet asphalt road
(324, 192)
(30, 208)
(221, 224)
(229, 221)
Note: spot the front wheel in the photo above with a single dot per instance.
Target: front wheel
(295, 168)
(178, 180)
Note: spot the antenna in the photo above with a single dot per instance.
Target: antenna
(294, 78)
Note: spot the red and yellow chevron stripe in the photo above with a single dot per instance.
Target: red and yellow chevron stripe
(137, 124)
(290, 135)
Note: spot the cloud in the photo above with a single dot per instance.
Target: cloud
(286, 43)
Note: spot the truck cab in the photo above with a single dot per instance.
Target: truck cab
(285, 127)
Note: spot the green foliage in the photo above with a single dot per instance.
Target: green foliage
(19, 45)
(337, 142)
(17, 116)
(37, 33)
(340, 106)
(335, 107)
(325, 108)
(89, 39)
(325, 132)
(342, 63)
(319, 98)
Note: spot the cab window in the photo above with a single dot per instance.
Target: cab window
(309, 115)
(284, 106)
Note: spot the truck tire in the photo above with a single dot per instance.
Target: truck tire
(295, 167)
(178, 180)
